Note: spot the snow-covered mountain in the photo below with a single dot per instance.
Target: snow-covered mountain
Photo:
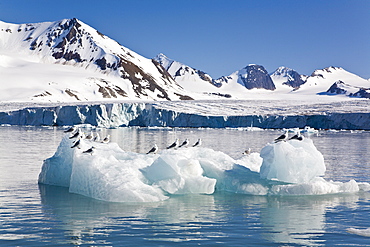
(283, 81)
(284, 76)
(188, 77)
(236, 85)
(335, 80)
(251, 76)
(68, 60)
(340, 87)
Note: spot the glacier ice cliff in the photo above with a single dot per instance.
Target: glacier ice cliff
(189, 114)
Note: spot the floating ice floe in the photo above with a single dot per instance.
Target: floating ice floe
(361, 232)
(309, 130)
(111, 174)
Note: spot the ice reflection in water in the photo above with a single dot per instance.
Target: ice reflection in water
(225, 218)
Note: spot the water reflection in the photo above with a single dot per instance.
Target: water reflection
(82, 216)
(300, 220)
(203, 218)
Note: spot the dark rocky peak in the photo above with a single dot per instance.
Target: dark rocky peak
(63, 40)
(321, 72)
(69, 23)
(337, 88)
(331, 69)
(256, 76)
(362, 93)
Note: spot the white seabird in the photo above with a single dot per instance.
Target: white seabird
(76, 134)
(76, 143)
(71, 129)
(283, 137)
(198, 143)
(97, 137)
(106, 139)
(89, 151)
(90, 136)
(153, 150)
(248, 151)
(297, 136)
(185, 143)
(173, 145)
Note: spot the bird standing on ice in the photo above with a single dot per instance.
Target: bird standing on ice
(173, 145)
(89, 151)
(77, 133)
(297, 136)
(106, 139)
(283, 137)
(90, 136)
(198, 143)
(71, 129)
(153, 150)
(185, 143)
(97, 137)
(76, 143)
(247, 152)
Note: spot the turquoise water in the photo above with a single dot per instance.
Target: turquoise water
(39, 215)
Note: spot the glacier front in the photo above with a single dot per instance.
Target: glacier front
(213, 114)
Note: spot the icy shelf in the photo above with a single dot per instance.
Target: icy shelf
(112, 174)
(212, 114)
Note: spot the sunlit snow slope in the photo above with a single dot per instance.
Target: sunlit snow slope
(68, 60)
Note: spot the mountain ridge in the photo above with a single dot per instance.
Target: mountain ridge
(68, 60)
(287, 80)
(71, 42)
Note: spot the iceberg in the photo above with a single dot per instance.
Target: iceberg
(112, 174)
(292, 161)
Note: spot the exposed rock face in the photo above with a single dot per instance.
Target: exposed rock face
(255, 76)
(362, 93)
(252, 76)
(288, 77)
(181, 72)
(337, 88)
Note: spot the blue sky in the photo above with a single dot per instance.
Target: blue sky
(220, 37)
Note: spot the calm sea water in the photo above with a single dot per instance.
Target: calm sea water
(39, 215)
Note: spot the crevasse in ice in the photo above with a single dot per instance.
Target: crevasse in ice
(112, 174)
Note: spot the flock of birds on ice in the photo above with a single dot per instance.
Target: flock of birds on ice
(79, 135)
